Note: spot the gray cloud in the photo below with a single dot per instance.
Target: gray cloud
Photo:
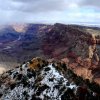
(34, 5)
(47, 11)
(46, 5)
(94, 3)
(38, 5)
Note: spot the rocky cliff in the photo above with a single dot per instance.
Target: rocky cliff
(79, 45)
(80, 48)
(40, 79)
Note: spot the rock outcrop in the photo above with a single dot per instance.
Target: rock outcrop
(37, 63)
(45, 82)
(81, 48)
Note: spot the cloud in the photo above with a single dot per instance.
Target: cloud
(49, 11)
(94, 3)
(32, 5)
(38, 5)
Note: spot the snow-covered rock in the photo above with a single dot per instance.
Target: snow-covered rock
(42, 80)
(23, 83)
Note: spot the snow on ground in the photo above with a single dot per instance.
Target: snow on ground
(54, 82)
(54, 74)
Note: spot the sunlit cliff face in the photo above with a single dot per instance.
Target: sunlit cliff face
(19, 27)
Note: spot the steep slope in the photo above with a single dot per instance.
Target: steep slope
(41, 80)
(22, 39)
(80, 48)
(23, 83)
(80, 45)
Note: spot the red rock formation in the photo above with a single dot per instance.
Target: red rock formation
(80, 48)
(81, 51)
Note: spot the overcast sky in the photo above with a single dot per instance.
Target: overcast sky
(50, 11)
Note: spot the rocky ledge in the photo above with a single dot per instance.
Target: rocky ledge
(45, 80)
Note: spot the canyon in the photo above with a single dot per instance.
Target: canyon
(77, 46)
